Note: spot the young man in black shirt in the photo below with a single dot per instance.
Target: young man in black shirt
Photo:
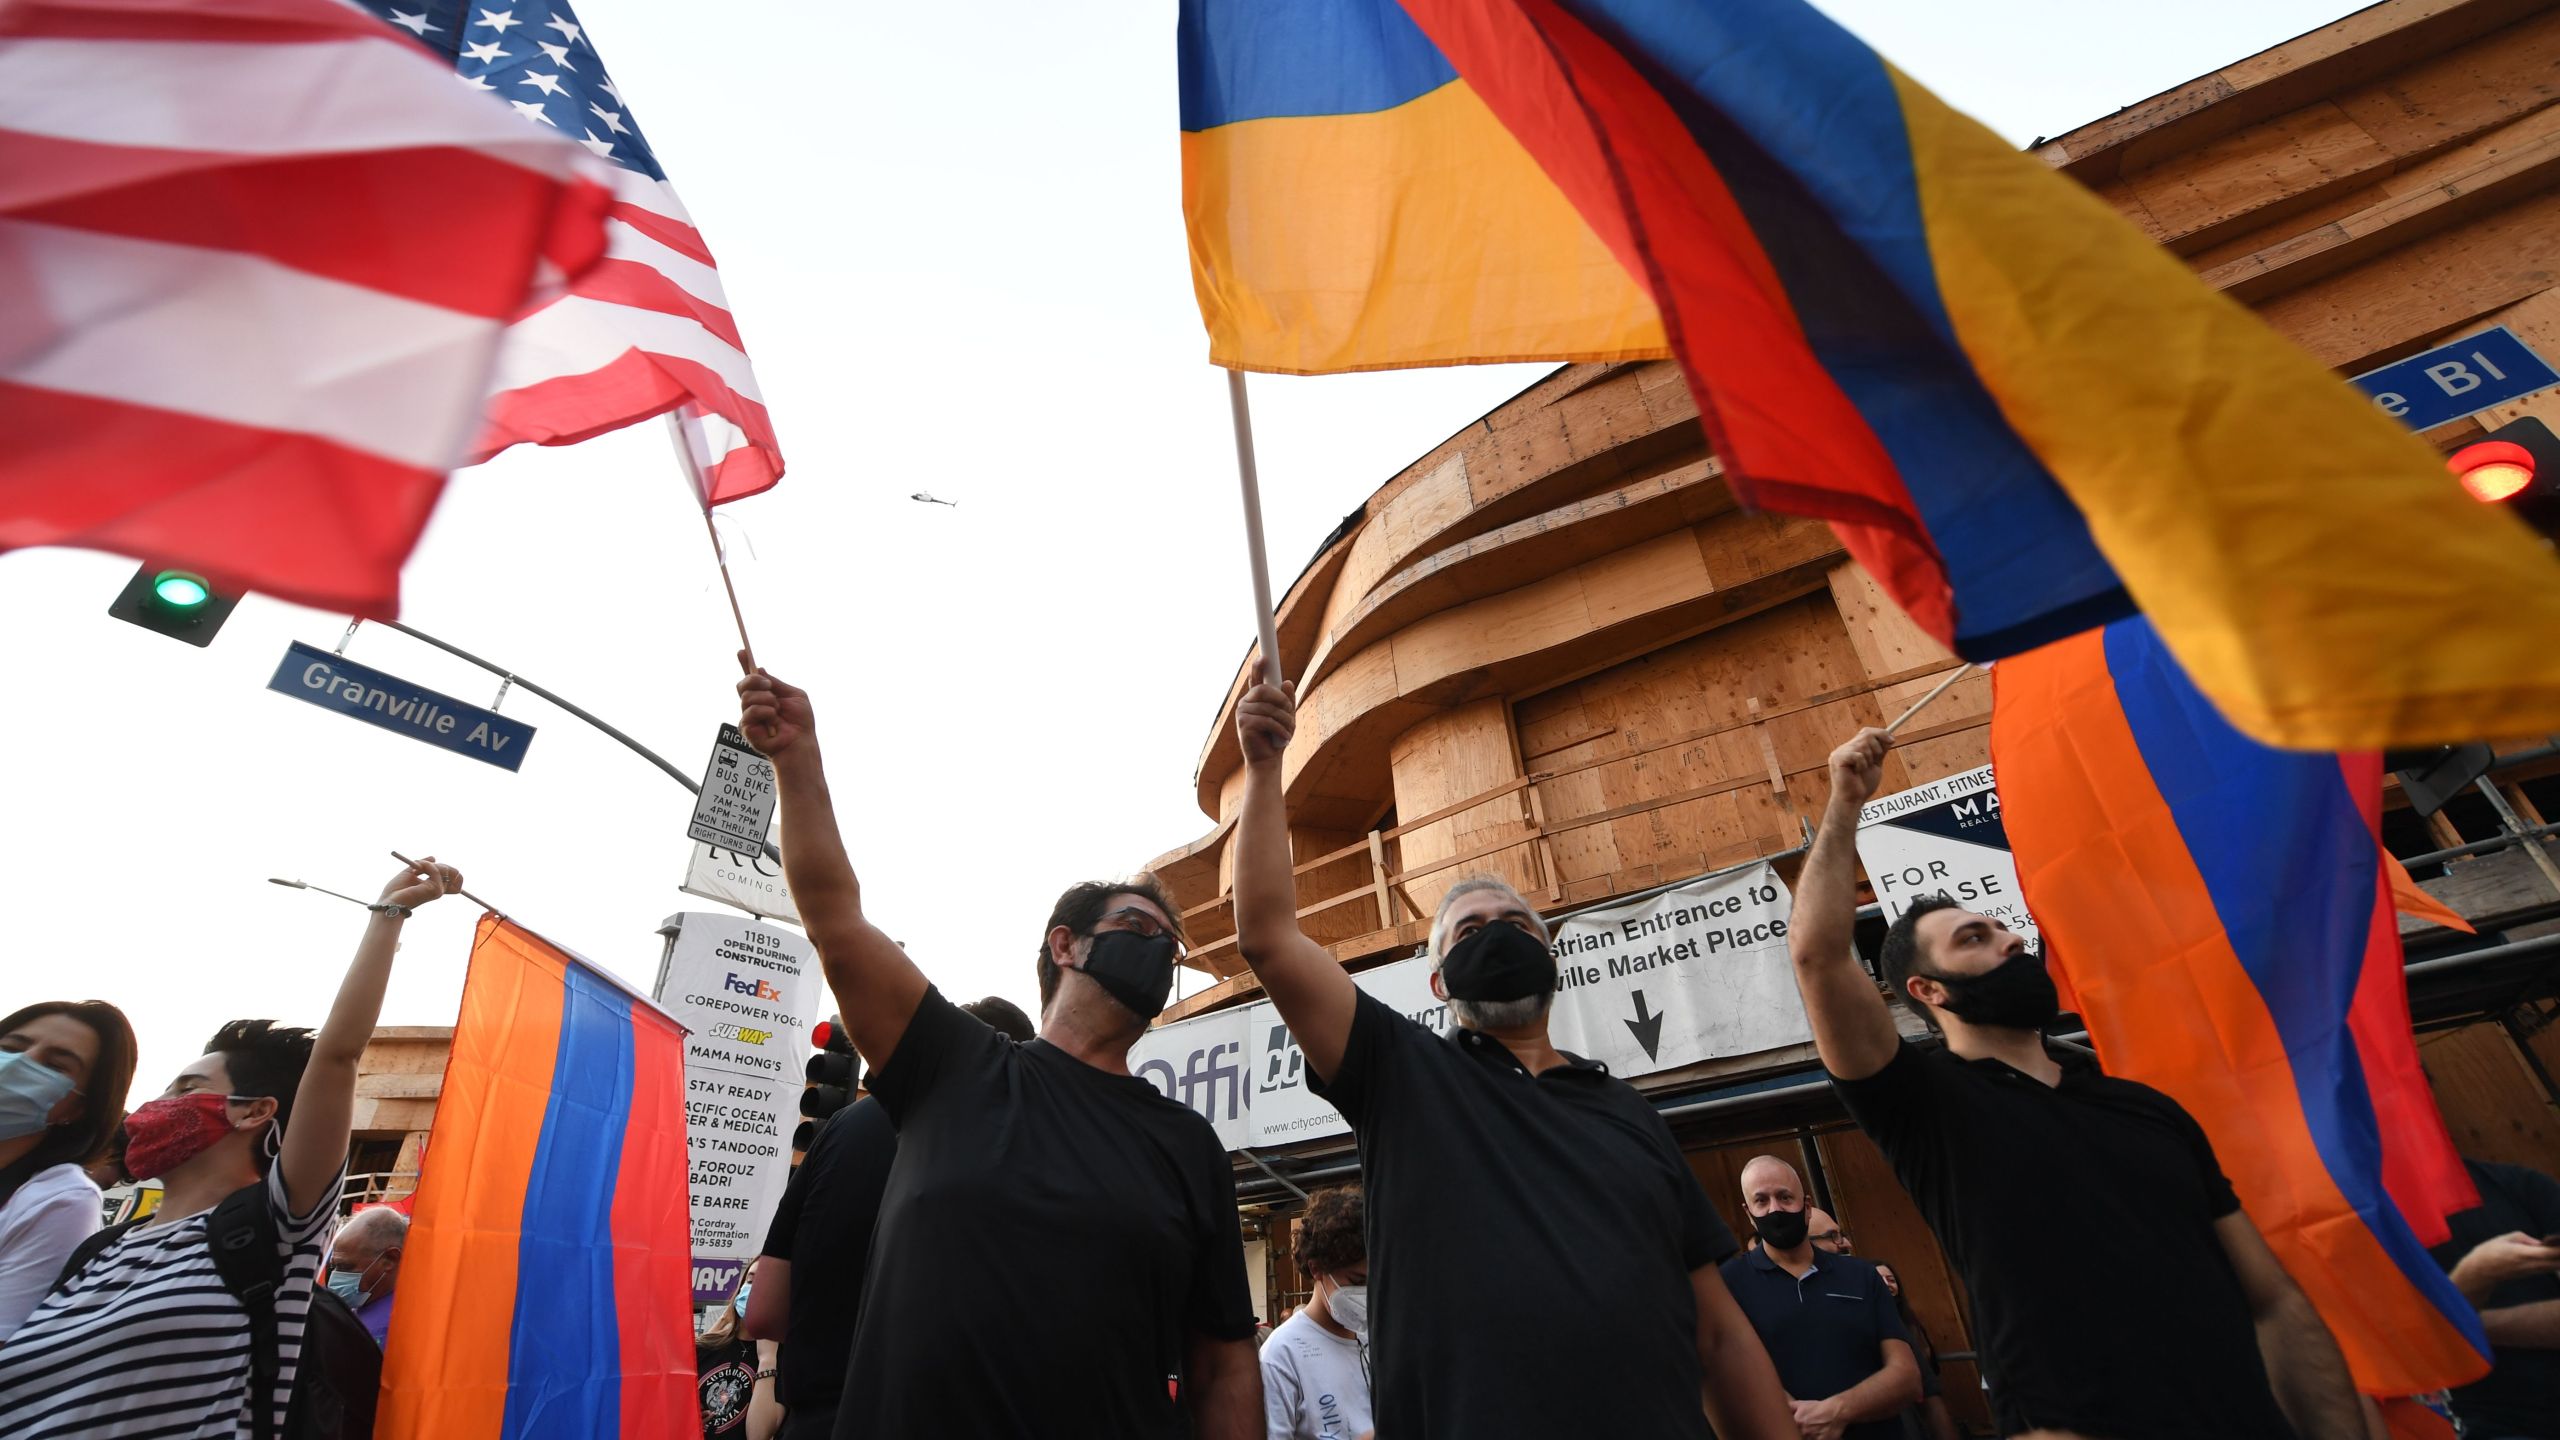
(1541, 1258)
(2501, 1258)
(1057, 1251)
(1830, 1325)
(808, 1281)
(2118, 1289)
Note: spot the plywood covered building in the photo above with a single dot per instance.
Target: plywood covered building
(1554, 649)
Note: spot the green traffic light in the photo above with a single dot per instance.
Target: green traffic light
(179, 590)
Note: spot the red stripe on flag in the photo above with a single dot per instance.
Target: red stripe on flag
(384, 220)
(652, 1242)
(1626, 160)
(629, 282)
(674, 234)
(636, 386)
(298, 517)
(252, 21)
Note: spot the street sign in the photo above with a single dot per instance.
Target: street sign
(334, 682)
(2461, 377)
(735, 807)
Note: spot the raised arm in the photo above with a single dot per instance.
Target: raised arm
(1852, 1025)
(877, 988)
(1312, 990)
(314, 1148)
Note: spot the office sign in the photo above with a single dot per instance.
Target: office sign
(2461, 377)
(334, 682)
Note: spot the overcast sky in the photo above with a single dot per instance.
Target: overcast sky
(953, 238)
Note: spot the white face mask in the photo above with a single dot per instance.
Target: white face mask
(1349, 1306)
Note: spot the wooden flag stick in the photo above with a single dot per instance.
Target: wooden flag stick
(1248, 479)
(1922, 703)
(692, 464)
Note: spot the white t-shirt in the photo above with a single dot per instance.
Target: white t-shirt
(39, 1228)
(145, 1343)
(1314, 1386)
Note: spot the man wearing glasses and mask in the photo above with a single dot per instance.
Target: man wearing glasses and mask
(1057, 1250)
(1505, 1180)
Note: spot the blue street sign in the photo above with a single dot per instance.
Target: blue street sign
(334, 682)
(2458, 378)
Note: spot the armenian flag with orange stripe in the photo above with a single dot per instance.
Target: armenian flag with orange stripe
(2224, 912)
(545, 1290)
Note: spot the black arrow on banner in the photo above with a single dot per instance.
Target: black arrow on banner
(1646, 1028)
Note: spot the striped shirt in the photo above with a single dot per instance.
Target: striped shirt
(145, 1343)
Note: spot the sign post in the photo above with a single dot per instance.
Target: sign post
(747, 989)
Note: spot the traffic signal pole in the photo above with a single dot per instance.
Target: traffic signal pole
(581, 712)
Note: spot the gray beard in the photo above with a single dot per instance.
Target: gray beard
(1502, 1014)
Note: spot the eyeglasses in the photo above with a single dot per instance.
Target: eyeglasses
(1137, 922)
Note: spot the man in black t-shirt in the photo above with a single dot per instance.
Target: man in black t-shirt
(2501, 1260)
(808, 1281)
(1057, 1251)
(1541, 1257)
(2118, 1290)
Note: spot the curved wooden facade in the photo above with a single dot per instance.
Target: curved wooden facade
(1554, 649)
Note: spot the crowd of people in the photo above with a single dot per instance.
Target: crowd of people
(1012, 1235)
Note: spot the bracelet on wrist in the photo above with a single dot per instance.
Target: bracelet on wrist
(391, 908)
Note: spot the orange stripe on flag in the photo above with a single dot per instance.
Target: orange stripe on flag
(444, 1374)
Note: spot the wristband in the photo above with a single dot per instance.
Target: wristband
(394, 910)
(766, 1373)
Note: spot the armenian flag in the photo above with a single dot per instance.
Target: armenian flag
(2021, 415)
(2224, 912)
(545, 1290)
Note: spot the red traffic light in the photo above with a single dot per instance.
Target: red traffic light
(819, 1037)
(2492, 470)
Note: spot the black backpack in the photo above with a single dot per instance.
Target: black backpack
(335, 1385)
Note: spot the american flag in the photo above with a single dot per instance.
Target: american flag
(649, 328)
(257, 259)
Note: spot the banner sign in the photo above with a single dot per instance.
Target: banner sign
(1691, 974)
(334, 682)
(1943, 838)
(747, 988)
(751, 882)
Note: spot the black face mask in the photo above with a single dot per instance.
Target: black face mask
(2016, 994)
(1134, 969)
(1781, 1229)
(1498, 962)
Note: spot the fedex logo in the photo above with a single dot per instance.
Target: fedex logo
(750, 985)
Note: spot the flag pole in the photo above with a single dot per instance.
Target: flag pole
(702, 491)
(1248, 480)
(1922, 703)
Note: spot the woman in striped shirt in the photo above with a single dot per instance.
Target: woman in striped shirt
(145, 1340)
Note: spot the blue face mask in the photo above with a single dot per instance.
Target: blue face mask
(28, 1093)
(348, 1285)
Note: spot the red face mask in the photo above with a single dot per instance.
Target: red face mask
(163, 1134)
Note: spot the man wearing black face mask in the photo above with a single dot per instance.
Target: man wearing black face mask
(1057, 1251)
(2015, 1155)
(1829, 1322)
(1506, 1182)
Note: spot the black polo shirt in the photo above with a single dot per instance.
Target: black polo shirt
(2081, 1218)
(2520, 1396)
(1051, 1239)
(1531, 1240)
(823, 1227)
(1824, 1330)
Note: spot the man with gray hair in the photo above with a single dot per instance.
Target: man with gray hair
(364, 1265)
(1506, 1180)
